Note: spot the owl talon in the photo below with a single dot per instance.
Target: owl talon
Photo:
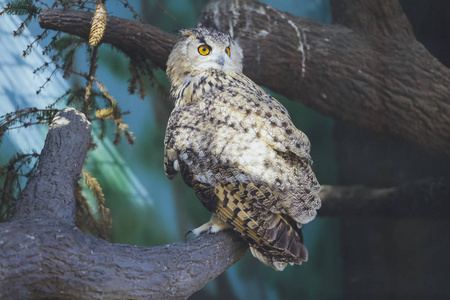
(212, 226)
(186, 235)
(199, 230)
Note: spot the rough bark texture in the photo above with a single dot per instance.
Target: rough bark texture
(43, 258)
(129, 36)
(44, 255)
(420, 199)
(51, 191)
(369, 70)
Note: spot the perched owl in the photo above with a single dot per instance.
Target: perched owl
(237, 147)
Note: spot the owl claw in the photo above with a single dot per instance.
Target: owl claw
(199, 230)
(186, 235)
(213, 226)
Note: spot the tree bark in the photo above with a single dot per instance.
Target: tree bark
(423, 199)
(44, 255)
(367, 70)
(129, 36)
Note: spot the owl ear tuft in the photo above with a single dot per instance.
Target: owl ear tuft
(185, 32)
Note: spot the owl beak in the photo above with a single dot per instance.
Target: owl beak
(221, 60)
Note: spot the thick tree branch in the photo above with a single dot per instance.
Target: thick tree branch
(373, 73)
(370, 71)
(129, 36)
(44, 255)
(51, 191)
(373, 17)
(424, 199)
(51, 259)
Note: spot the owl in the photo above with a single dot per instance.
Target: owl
(237, 148)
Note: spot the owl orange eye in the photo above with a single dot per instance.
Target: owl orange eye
(204, 49)
(227, 51)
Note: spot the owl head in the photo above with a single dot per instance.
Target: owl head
(201, 49)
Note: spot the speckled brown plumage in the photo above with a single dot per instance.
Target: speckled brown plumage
(237, 147)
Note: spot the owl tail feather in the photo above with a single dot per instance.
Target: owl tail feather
(283, 244)
(279, 266)
(272, 261)
(286, 246)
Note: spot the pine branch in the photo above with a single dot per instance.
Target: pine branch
(10, 174)
(42, 116)
(94, 220)
(21, 8)
(92, 69)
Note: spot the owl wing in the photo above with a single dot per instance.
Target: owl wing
(287, 149)
(299, 198)
(179, 134)
(272, 239)
(271, 118)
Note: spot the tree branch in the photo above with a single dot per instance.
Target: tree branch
(44, 255)
(370, 72)
(373, 73)
(424, 199)
(50, 259)
(129, 36)
(51, 190)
